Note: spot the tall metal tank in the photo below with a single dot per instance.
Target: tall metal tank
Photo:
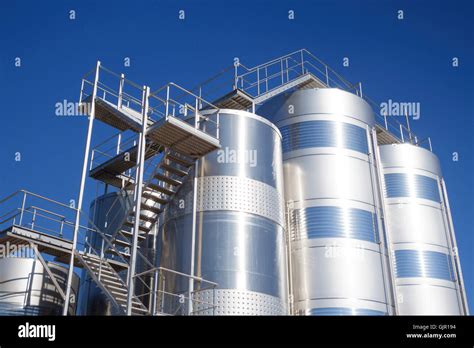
(240, 235)
(420, 231)
(339, 264)
(26, 288)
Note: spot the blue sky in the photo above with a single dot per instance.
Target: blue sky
(405, 60)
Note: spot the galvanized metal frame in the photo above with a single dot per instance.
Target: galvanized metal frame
(81, 190)
(138, 198)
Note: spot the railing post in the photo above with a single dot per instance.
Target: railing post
(82, 91)
(138, 198)
(360, 89)
(429, 142)
(385, 120)
(22, 208)
(200, 97)
(119, 140)
(236, 77)
(81, 192)
(258, 81)
(196, 114)
(61, 228)
(302, 63)
(266, 79)
(401, 133)
(33, 219)
(281, 69)
(327, 76)
(120, 92)
(287, 71)
(167, 101)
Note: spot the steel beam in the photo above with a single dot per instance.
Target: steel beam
(81, 190)
(138, 198)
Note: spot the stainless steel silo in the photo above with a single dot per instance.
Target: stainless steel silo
(339, 262)
(426, 266)
(26, 288)
(240, 236)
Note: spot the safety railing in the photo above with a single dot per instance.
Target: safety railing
(41, 214)
(174, 100)
(109, 148)
(401, 132)
(157, 287)
(113, 88)
(268, 76)
(169, 100)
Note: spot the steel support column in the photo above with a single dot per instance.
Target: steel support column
(81, 190)
(454, 248)
(138, 199)
(381, 184)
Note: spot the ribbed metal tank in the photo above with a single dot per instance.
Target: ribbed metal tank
(428, 276)
(339, 266)
(26, 288)
(240, 237)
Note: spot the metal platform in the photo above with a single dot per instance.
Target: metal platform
(111, 171)
(385, 137)
(123, 118)
(48, 244)
(237, 99)
(304, 81)
(182, 137)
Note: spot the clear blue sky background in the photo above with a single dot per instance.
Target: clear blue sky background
(408, 60)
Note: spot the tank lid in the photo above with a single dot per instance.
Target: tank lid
(317, 101)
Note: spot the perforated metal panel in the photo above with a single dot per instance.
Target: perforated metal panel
(240, 194)
(240, 241)
(237, 302)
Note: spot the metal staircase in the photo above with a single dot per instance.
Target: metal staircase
(111, 284)
(158, 191)
(165, 130)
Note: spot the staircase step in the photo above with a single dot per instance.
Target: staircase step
(129, 235)
(161, 189)
(116, 252)
(116, 283)
(167, 179)
(106, 275)
(180, 160)
(144, 217)
(121, 242)
(174, 170)
(151, 208)
(140, 227)
(153, 196)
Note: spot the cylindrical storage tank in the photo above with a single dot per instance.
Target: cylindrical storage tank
(240, 236)
(428, 276)
(26, 287)
(339, 264)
